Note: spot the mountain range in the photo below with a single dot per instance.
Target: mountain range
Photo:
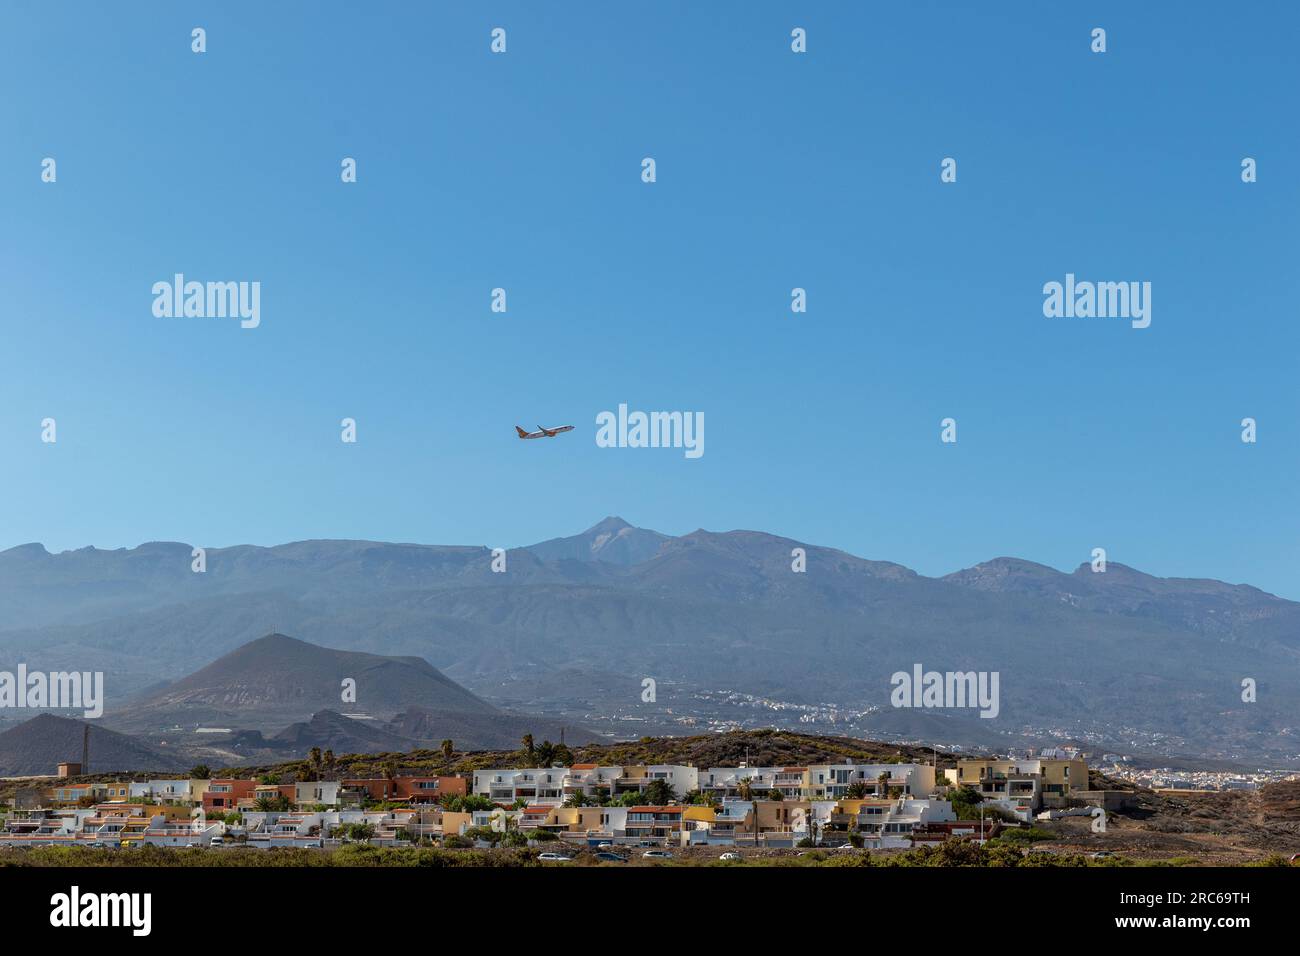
(723, 625)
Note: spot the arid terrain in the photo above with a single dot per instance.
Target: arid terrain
(1209, 829)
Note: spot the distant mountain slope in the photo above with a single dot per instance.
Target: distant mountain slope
(329, 730)
(39, 745)
(279, 675)
(39, 589)
(612, 540)
(1194, 603)
(478, 732)
(418, 727)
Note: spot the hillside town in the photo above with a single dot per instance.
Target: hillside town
(585, 805)
(1169, 778)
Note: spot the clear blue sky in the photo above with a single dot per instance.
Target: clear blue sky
(774, 170)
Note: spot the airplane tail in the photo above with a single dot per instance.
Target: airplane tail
(522, 433)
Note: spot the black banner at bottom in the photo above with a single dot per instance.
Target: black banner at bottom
(337, 904)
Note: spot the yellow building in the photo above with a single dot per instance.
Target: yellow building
(113, 791)
(1024, 783)
(781, 816)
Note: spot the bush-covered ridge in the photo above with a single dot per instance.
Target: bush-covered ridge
(761, 748)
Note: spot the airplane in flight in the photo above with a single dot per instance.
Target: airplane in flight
(544, 432)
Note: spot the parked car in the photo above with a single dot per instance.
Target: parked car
(656, 855)
(555, 858)
(729, 856)
(217, 841)
(605, 856)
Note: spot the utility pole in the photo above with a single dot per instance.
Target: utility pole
(85, 748)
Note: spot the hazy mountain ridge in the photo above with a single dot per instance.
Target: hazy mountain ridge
(704, 610)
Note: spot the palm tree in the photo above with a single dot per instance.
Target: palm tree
(659, 793)
(527, 741)
(545, 754)
(447, 751)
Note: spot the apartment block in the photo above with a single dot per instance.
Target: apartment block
(1023, 785)
(168, 791)
(655, 824)
(556, 784)
(225, 794)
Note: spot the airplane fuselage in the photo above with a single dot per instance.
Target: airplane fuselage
(543, 431)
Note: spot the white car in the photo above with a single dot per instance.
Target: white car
(656, 855)
(729, 856)
(555, 858)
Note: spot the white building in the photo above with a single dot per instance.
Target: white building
(892, 826)
(536, 786)
(317, 792)
(552, 786)
(166, 791)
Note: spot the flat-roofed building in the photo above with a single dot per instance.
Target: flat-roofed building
(1023, 785)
